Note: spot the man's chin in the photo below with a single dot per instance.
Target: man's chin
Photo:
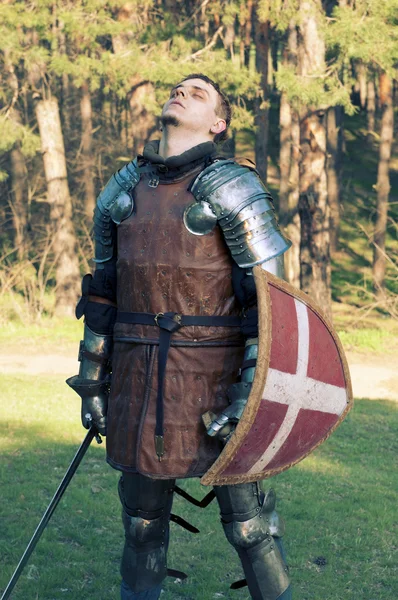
(170, 121)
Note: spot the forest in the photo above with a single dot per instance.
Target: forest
(313, 86)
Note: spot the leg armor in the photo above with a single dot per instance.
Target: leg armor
(253, 527)
(146, 513)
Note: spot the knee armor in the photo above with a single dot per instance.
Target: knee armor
(144, 561)
(252, 528)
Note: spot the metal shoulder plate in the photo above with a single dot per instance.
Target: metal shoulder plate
(244, 210)
(114, 204)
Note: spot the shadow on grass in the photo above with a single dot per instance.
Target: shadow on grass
(339, 507)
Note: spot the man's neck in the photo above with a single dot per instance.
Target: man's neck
(177, 141)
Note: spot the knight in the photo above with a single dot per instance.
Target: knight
(171, 334)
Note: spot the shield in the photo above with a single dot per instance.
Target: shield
(301, 390)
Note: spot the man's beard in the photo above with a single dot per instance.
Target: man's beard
(169, 120)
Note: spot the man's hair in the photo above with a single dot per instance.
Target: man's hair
(224, 109)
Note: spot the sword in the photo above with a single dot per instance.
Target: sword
(52, 506)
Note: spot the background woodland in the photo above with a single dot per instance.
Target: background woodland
(313, 86)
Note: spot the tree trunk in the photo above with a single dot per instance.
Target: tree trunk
(289, 170)
(67, 275)
(261, 102)
(313, 205)
(87, 155)
(142, 122)
(371, 105)
(383, 185)
(19, 199)
(19, 193)
(362, 84)
(245, 28)
(334, 124)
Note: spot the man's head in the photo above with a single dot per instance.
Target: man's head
(198, 105)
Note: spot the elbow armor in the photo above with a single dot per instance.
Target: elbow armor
(114, 204)
(243, 208)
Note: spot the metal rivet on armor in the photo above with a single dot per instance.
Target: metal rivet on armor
(163, 272)
(272, 545)
(249, 256)
(170, 212)
(175, 193)
(174, 378)
(148, 212)
(164, 251)
(142, 293)
(188, 274)
(188, 253)
(241, 246)
(198, 376)
(164, 295)
(199, 399)
(195, 340)
(221, 213)
(209, 254)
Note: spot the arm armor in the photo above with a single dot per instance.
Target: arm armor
(114, 204)
(244, 210)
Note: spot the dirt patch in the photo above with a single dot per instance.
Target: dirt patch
(373, 376)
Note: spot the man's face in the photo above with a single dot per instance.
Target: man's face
(193, 106)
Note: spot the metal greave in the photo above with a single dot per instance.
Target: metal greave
(252, 526)
(146, 513)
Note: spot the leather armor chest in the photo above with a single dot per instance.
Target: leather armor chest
(163, 267)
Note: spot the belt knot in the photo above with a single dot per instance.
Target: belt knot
(170, 321)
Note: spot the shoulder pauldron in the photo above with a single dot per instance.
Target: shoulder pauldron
(114, 204)
(244, 210)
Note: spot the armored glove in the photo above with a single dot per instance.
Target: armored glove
(224, 425)
(92, 383)
(238, 393)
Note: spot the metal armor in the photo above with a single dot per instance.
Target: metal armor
(92, 382)
(253, 527)
(234, 197)
(146, 513)
(114, 204)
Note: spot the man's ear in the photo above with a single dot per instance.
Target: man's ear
(218, 127)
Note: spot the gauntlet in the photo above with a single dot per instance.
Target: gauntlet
(92, 383)
(238, 394)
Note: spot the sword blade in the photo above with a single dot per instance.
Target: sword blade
(50, 509)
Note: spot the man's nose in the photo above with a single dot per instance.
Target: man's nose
(180, 91)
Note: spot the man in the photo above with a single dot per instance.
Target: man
(177, 232)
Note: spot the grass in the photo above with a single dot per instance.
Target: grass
(339, 505)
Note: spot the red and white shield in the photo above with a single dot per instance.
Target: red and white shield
(301, 390)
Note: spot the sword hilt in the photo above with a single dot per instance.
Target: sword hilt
(90, 423)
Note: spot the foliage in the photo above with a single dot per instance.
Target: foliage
(367, 31)
(57, 47)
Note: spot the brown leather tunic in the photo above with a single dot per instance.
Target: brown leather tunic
(162, 267)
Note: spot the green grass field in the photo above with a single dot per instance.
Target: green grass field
(339, 504)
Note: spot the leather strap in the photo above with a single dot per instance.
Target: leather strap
(169, 323)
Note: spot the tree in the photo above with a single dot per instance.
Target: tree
(383, 184)
(367, 31)
(289, 159)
